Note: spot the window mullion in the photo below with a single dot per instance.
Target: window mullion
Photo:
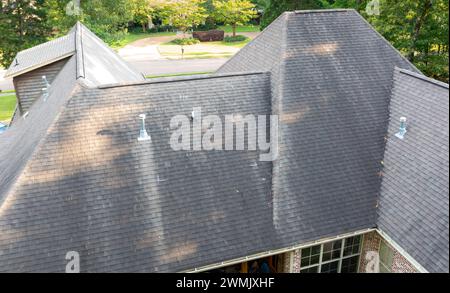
(341, 256)
(320, 258)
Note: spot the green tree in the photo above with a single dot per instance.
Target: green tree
(23, 24)
(418, 29)
(142, 12)
(183, 14)
(234, 12)
(107, 18)
(277, 7)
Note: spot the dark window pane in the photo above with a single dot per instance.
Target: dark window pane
(314, 259)
(316, 250)
(349, 241)
(326, 256)
(305, 262)
(337, 244)
(355, 249)
(306, 252)
(327, 247)
(330, 267)
(350, 265)
(347, 251)
(336, 254)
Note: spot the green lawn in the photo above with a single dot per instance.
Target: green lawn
(7, 106)
(240, 29)
(134, 36)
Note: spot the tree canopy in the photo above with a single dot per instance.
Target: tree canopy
(234, 12)
(183, 14)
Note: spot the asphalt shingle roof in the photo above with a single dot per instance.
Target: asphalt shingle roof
(79, 180)
(414, 201)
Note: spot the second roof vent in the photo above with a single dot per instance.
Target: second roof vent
(402, 131)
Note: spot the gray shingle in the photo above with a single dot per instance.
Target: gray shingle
(414, 202)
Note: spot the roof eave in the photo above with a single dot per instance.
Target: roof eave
(31, 68)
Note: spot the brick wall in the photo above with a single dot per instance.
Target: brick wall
(371, 242)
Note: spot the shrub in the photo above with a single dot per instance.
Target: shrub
(185, 41)
(231, 39)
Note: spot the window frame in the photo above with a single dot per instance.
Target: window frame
(381, 263)
(340, 259)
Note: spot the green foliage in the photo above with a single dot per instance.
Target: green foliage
(142, 11)
(277, 7)
(106, 18)
(183, 14)
(23, 24)
(234, 12)
(234, 39)
(185, 41)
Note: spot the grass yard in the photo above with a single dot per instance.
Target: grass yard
(135, 36)
(240, 29)
(7, 106)
(204, 50)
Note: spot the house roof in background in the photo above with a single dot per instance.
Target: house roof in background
(42, 55)
(414, 201)
(96, 63)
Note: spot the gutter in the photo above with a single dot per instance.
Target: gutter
(275, 252)
(405, 254)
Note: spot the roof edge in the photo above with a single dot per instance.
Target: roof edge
(26, 70)
(422, 77)
(333, 10)
(38, 146)
(181, 79)
(255, 39)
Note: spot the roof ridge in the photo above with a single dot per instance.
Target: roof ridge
(332, 10)
(180, 79)
(422, 77)
(80, 72)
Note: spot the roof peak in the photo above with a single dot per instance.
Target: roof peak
(180, 79)
(308, 11)
(422, 77)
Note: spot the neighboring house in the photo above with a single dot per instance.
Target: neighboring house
(74, 177)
